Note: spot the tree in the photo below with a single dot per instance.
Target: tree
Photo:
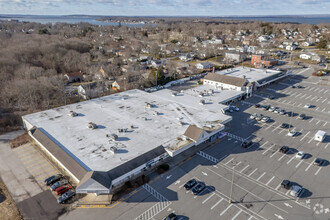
(322, 44)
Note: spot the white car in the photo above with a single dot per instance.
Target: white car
(265, 119)
(292, 133)
(307, 106)
(235, 108)
(253, 116)
(296, 191)
(271, 109)
(300, 155)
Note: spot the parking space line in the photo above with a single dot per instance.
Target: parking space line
(313, 98)
(244, 168)
(321, 90)
(261, 176)
(299, 163)
(208, 198)
(253, 172)
(270, 126)
(311, 140)
(318, 171)
(217, 203)
(326, 146)
(281, 131)
(303, 96)
(281, 157)
(229, 161)
(238, 163)
(268, 149)
(276, 128)
(223, 157)
(309, 166)
(270, 180)
(326, 91)
(311, 120)
(324, 100)
(290, 160)
(317, 108)
(223, 212)
(318, 143)
(239, 212)
(279, 185)
(323, 109)
(305, 135)
(299, 105)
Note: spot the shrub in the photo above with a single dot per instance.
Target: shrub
(128, 184)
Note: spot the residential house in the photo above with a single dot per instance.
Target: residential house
(186, 57)
(157, 63)
(204, 66)
(263, 38)
(235, 57)
(307, 44)
(91, 90)
(305, 56)
(318, 58)
(291, 47)
(74, 77)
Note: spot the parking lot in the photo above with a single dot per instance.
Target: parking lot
(36, 164)
(250, 177)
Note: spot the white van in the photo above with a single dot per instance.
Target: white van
(319, 136)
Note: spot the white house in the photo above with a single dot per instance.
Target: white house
(203, 66)
(291, 47)
(307, 44)
(305, 56)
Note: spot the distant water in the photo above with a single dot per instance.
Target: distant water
(72, 19)
(45, 19)
(292, 19)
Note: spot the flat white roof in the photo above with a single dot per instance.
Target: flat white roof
(121, 111)
(251, 74)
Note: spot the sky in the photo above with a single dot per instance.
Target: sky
(165, 7)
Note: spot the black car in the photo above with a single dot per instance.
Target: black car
(302, 116)
(52, 179)
(299, 86)
(266, 107)
(58, 184)
(171, 216)
(198, 188)
(286, 184)
(293, 86)
(319, 162)
(272, 97)
(289, 114)
(66, 196)
(246, 144)
(284, 149)
(190, 184)
(285, 125)
(257, 105)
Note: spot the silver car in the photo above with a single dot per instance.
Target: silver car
(296, 191)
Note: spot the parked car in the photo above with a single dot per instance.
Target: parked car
(318, 162)
(257, 105)
(66, 196)
(271, 97)
(253, 116)
(266, 107)
(300, 155)
(296, 191)
(58, 184)
(62, 189)
(277, 110)
(235, 108)
(190, 184)
(265, 119)
(301, 116)
(285, 125)
(259, 117)
(286, 184)
(292, 133)
(282, 112)
(271, 109)
(290, 114)
(284, 149)
(171, 216)
(293, 86)
(198, 188)
(246, 144)
(307, 105)
(299, 86)
(52, 179)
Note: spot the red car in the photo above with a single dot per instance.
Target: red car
(62, 189)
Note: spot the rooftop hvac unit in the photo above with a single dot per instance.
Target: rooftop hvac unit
(73, 114)
(92, 126)
(156, 113)
(181, 123)
(211, 91)
(201, 94)
(202, 102)
(174, 93)
(113, 137)
(122, 130)
(113, 149)
(148, 105)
